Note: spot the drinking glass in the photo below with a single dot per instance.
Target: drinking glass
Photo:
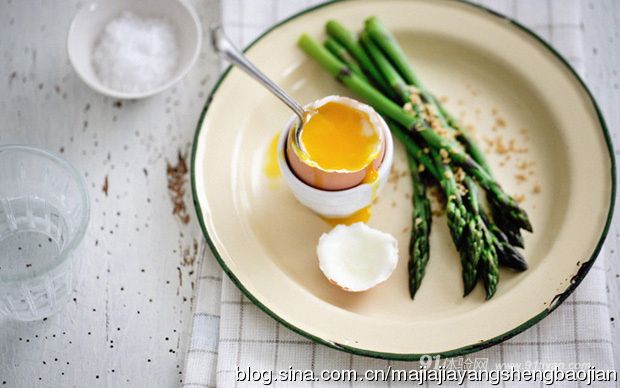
(44, 212)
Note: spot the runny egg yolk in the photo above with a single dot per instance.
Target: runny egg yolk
(362, 215)
(271, 167)
(340, 137)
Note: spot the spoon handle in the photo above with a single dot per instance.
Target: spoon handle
(224, 47)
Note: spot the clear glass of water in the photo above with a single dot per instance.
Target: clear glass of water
(44, 212)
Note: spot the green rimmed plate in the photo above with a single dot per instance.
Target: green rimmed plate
(503, 81)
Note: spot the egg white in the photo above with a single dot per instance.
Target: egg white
(357, 257)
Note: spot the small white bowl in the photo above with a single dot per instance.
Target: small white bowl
(340, 203)
(90, 21)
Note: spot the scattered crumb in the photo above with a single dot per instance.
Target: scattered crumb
(437, 212)
(471, 129)
(106, 186)
(536, 189)
(437, 200)
(177, 178)
(521, 178)
(520, 198)
(500, 148)
(499, 145)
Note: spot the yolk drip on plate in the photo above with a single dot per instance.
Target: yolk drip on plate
(362, 215)
(272, 168)
(340, 137)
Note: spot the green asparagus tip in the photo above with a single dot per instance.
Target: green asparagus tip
(371, 20)
(304, 40)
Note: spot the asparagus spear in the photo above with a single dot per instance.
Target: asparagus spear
(464, 137)
(419, 248)
(393, 79)
(347, 39)
(512, 233)
(487, 261)
(413, 149)
(508, 256)
(465, 237)
(343, 55)
(510, 209)
(386, 41)
(467, 242)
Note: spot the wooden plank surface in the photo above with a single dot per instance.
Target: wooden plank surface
(130, 322)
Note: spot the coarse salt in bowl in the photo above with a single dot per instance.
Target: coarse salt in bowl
(133, 48)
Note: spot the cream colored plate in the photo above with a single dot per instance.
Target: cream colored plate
(496, 74)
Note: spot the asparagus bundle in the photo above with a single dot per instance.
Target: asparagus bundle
(376, 68)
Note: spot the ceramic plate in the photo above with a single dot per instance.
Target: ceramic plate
(502, 80)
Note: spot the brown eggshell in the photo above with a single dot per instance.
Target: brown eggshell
(326, 180)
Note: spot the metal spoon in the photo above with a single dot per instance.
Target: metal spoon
(225, 48)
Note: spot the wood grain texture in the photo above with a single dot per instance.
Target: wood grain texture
(601, 28)
(131, 317)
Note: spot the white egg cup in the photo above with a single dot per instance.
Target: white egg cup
(338, 203)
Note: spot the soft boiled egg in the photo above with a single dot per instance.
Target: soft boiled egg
(342, 144)
(357, 257)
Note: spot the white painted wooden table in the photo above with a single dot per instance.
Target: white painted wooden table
(130, 320)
